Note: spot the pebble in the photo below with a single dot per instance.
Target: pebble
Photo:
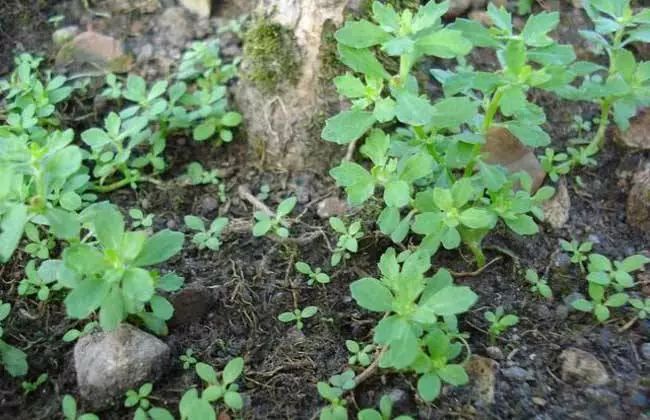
(208, 205)
(494, 353)
(582, 367)
(397, 395)
(517, 373)
(645, 350)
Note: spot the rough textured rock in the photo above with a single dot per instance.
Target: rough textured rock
(482, 372)
(65, 34)
(175, 27)
(202, 8)
(556, 210)
(582, 367)
(638, 135)
(332, 206)
(93, 50)
(638, 201)
(110, 363)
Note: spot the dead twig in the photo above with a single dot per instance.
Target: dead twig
(245, 194)
(370, 370)
(475, 272)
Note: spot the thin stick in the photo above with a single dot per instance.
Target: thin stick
(475, 272)
(370, 370)
(246, 194)
(350, 153)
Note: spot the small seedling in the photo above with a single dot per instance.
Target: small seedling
(578, 251)
(29, 387)
(69, 408)
(499, 322)
(139, 219)
(73, 334)
(348, 239)
(298, 315)
(38, 247)
(265, 190)
(385, 411)
(315, 276)
(617, 274)
(642, 307)
(359, 354)
(277, 223)
(197, 175)
(599, 304)
(188, 359)
(144, 410)
(539, 286)
(40, 282)
(13, 359)
(206, 238)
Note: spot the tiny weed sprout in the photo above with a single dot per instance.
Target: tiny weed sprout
(41, 281)
(29, 387)
(537, 285)
(332, 392)
(206, 237)
(298, 315)
(144, 410)
(109, 273)
(197, 175)
(70, 412)
(188, 359)
(195, 405)
(277, 223)
(140, 219)
(315, 276)
(385, 411)
(348, 239)
(499, 322)
(641, 306)
(13, 359)
(73, 334)
(264, 192)
(38, 247)
(359, 354)
(579, 251)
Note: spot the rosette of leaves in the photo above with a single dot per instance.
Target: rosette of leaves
(111, 273)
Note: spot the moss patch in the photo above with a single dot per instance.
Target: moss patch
(271, 55)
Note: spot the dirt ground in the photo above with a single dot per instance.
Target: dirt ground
(232, 298)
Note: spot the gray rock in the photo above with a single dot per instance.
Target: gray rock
(482, 372)
(582, 367)
(570, 298)
(494, 353)
(208, 204)
(110, 363)
(397, 395)
(517, 373)
(332, 206)
(174, 27)
(645, 350)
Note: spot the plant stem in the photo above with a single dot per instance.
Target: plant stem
(124, 182)
(598, 140)
(490, 112)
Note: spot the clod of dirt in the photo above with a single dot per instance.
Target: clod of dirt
(517, 374)
(556, 210)
(203, 8)
(503, 148)
(332, 206)
(64, 35)
(190, 305)
(110, 363)
(638, 135)
(582, 367)
(482, 372)
(638, 201)
(93, 50)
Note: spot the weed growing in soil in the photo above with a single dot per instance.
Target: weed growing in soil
(277, 223)
(140, 219)
(144, 409)
(359, 354)
(188, 359)
(13, 359)
(29, 387)
(578, 251)
(315, 276)
(348, 239)
(385, 411)
(298, 315)
(538, 286)
(206, 237)
(499, 322)
(69, 409)
(198, 175)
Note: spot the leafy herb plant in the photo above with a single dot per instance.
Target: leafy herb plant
(298, 315)
(537, 285)
(499, 322)
(70, 411)
(206, 237)
(143, 408)
(315, 276)
(277, 223)
(347, 242)
(359, 354)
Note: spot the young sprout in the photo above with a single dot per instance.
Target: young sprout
(539, 286)
(29, 387)
(642, 307)
(499, 322)
(359, 355)
(40, 282)
(385, 411)
(145, 410)
(277, 223)
(139, 219)
(198, 175)
(315, 276)
(298, 316)
(206, 238)
(348, 239)
(69, 408)
(578, 251)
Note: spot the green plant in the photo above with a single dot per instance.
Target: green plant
(579, 251)
(333, 391)
(38, 247)
(39, 282)
(145, 410)
(73, 334)
(298, 315)
(139, 219)
(265, 189)
(537, 285)
(385, 411)
(359, 355)
(348, 239)
(188, 359)
(69, 408)
(29, 387)
(110, 273)
(13, 359)
(276, 223)
(315, 276)
(206, 238)
(200, 176)
(642, 307)
(195, 406)
(499, 322)
(599, 303)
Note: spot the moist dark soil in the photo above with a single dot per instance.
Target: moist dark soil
(232, 297)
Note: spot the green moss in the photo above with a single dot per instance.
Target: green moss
(271, 55)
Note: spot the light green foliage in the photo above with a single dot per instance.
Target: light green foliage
(206, 237)
(578, 251)
(298, 315)
(197, 175)
(332, 392)
(315, 276)
(38, 247)
(524, 7)
(73, 334)
(29, 387)
(188, 359)
(347, 242)
(359, 354)
(140, 219)
(277, 223)
(144, 409)
(537, 285)
(195, 405)
(41, 281)
(499, 322)
(641, 306)
(13, 359)
(110, 273)
(69, 409)
(385, 411)
(265, 189)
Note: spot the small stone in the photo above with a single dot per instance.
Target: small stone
(638, 201)
(595, 239)
(458, 7)
(63, 35)
(332, 206)
(517, 373)
(203, 8)
(110, 363)
(494, 352)
(572, 297)
(397, 395)
(637, 136)
(645, 350)
(556, 210)
(208, 204)
(640, 400)
(482, 372)
(539, 401)
(581, 366)
(561, 312)
(561, 263)
(145, 53)
(92, 49)
(175, 27)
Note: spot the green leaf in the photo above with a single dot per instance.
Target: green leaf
(500, 17)
(231, 119)
(233, 400)
(11, 230)
(204, 131)
(111, 312)
(386, 16)
(13, 359)
(286, 206)
(429, 14)
(359, 184)
(617, 300)
(429, 386)
(555, 54)
(412, 109)
(514, 56)
(523, 224)
(445, 43)
(476, 33)
(537, 27)
(137, 284)
(86, 297)
(262, 227)
(582, 305)
(453, 374)
(477, 218)
(96, 138)
(159, 248)
(416, 167)
(530, 135)
(161, 308)
(192, 407)
(233, 369)
(493, 176)
(347, 126)
(371, 294)
(634, 263)
(384, 110)
(601, 312)
(451, 300)
(452, 112)
(350, 86)
(397, 193)
(108, 225)
(63, 224)
(194, 223)
(361, 34)
(362, 61)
